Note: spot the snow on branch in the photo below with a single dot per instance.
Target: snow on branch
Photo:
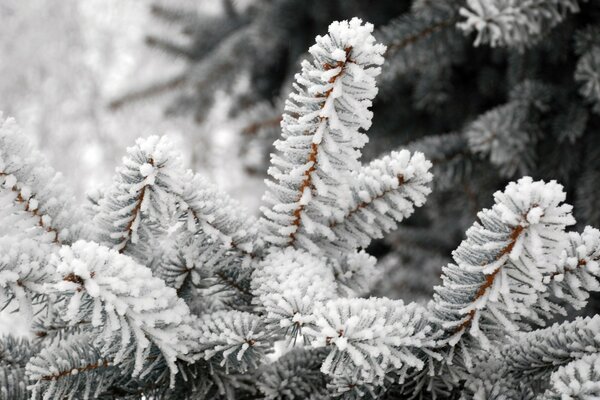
(578, 269)
(33, 197)
(368, 336)
(72, 369)
(145, 193)
(533, 356)
(578, 380)
(384, 193)
(513, 23)
(296, 374)
(233, 339)
(130, 308)
(500, 267)
(321, 132)
(23, 272)
(214, 234)
(218, 216)
(14, 355)
(288, 285)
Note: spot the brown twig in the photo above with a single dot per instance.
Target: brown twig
(314, 148)
(85, 368)
(489, 279)
(19, 199)
(135, 212)
(364, 204)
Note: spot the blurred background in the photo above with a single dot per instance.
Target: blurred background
(85, 78)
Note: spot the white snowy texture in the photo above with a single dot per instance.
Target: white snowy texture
(213, 232)
(33, 198)
(288, 284)
(219, 217)
(578, 269)
(513, 23)
(234, 339)
(23, 272)
(578, 380)
(532, 352)
(384, 192)
(532, 356)
(500, 267)
(183, 286)
(368, 336)
(321, 134)
(145, 192)
(354, 273)
(132, 309)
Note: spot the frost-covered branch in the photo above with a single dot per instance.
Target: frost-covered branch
(500, 267)
(296, 374)
(507, 134)
(587, 74)
(579, 380)
(33, 198)
(142, 199)
(14, 355)
(216, 237)
(23, 272)
(288, 285)
(233, 339)
(366, 337)
(578, 269)
(383, 193)
(321, 133)
(423, 36)
(129, 308)
(531, 357)
(72, 368)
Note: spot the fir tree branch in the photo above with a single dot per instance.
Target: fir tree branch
(321, 132)
(383, 193)
(312, 158)
(501, 266)
(513, 23)
(38, 197)
(513, 236)
(135, 213)
(148, 311)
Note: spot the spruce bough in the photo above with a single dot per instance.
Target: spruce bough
(164, 287)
